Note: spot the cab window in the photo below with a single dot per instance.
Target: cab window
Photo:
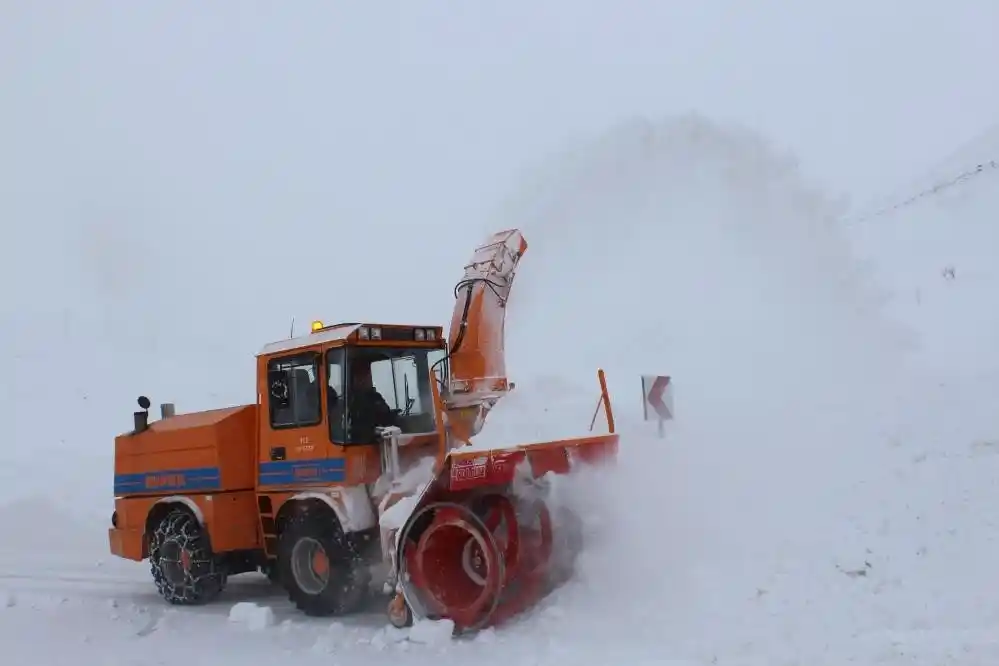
(391, 386)
(293, 389)
(336, 400)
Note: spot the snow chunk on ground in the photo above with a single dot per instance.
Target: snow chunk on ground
(336, 638)
(253, 616)
(432, 632)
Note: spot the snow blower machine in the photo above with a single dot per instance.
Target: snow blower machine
(359, 456)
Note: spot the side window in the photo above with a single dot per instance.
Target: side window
(335, 400)
(294, 392)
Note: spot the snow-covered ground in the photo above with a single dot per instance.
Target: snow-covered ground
(826, 494)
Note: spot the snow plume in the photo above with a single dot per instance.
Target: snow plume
(696, 250)
(679, 246)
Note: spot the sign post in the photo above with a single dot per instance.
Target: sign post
(657, 394)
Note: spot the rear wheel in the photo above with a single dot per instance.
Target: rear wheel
(318, 568)
(184, 568)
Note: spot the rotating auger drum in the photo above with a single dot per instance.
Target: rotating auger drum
(484, 558)
(487, 539)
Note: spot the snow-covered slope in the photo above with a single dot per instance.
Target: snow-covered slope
(935, 247)
(816, 501)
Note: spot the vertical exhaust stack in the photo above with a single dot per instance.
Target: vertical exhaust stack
(140, 421)
(167, 409)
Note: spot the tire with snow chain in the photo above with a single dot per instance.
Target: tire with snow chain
(318, 568)
(184, 568)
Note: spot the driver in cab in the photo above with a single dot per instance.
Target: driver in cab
(368, 408)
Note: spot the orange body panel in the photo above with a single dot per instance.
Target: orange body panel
(231, 519)
(189, 453)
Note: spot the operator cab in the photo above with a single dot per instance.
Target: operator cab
(348, 379)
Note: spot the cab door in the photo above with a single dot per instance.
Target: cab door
(295, 448)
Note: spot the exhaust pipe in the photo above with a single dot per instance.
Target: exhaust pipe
(141, 421)
(167, 409)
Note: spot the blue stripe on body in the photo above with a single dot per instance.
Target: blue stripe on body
(168, 480)
(295, 472)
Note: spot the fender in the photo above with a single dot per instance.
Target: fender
(352, 506)
(199, 515)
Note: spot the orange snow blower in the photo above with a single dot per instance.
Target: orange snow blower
(359, 451)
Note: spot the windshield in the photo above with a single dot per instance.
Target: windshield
(391, 386)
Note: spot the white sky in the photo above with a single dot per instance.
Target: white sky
(184, 155)
(863, 91)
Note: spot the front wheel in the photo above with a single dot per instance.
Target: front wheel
(317, 567)
(184, 568)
